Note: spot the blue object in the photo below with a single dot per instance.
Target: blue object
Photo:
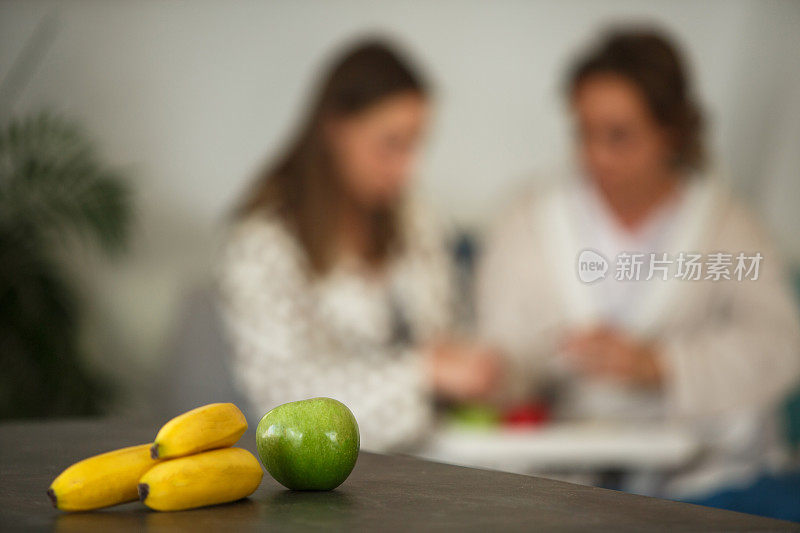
(770, 496)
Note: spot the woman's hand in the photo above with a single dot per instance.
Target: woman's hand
(606, 352)
(463, 371)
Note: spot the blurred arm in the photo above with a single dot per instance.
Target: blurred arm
(747, 353)
(507, 296)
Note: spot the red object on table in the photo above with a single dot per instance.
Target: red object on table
(527, 415)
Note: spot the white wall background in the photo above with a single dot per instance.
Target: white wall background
(192, 96)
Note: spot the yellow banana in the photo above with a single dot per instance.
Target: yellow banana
(208, 478)
(216, 425)
(103, 480)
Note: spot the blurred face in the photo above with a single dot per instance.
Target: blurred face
(619, 141)
(377, 148)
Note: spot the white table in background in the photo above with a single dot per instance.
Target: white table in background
(563, 447)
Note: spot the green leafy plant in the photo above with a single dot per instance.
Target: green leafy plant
(52, 186)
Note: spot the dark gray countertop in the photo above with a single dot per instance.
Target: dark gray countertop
(383, 493)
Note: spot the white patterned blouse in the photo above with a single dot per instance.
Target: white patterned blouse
(350, 335)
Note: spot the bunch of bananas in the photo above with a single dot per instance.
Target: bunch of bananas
(190, 464)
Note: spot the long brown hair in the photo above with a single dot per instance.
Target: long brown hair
(302, 188)
(649, 59)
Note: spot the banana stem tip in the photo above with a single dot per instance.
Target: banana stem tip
(52, 495)
(144, 490)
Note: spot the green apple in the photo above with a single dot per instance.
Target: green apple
(309, 445)
(475, 416)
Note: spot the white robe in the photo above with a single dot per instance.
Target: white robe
(730, 349)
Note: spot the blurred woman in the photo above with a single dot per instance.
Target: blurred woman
(332, 283)
(648, 342)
